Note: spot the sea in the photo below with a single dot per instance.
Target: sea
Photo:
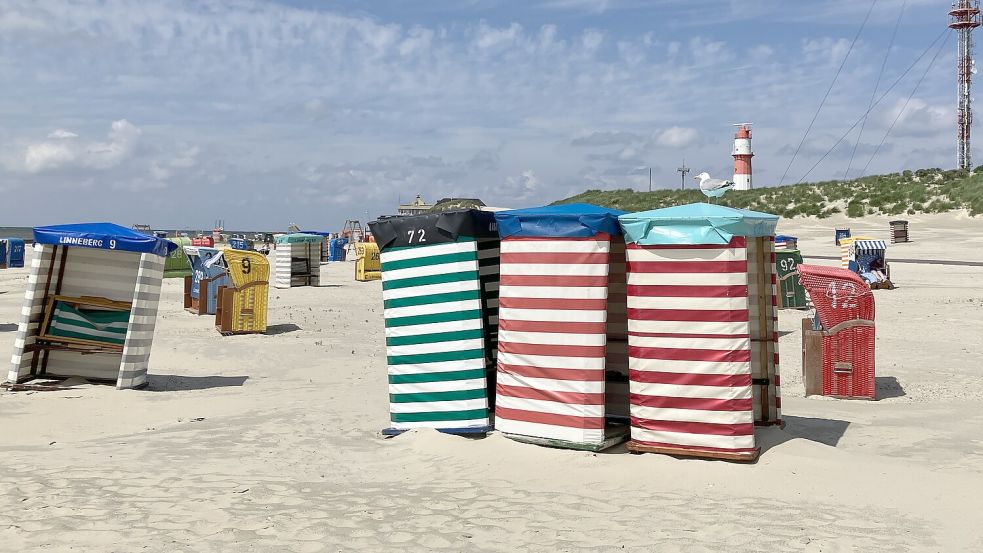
(27, 234)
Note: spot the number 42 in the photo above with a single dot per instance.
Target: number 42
(420, 235)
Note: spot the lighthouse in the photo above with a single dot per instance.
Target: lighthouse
(742, 157)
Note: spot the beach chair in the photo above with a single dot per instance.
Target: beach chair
(91, 305)
(845, 311)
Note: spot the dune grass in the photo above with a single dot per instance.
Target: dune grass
(906, 193)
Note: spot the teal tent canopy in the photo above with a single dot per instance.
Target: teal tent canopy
(698, 223)
(299, 238)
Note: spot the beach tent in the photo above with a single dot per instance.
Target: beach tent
(845, 309)
(298, 260)
(207, 275)
(702, 338)
(791, 293)
(840, 234)
(177, 264)
(243, 301)
(786, 242)
(562, 348)
(440, 294)
(91, 304)
(12, 251)
(868, 258)
(899, 231)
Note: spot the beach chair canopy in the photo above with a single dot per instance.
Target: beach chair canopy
(559, 221)
(432, 228)
(698, 223)
(299, 238)
(870, 246)
(106, 236)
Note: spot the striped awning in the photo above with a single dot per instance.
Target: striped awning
(870, 245)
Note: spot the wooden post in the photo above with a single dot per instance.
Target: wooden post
(760, 334)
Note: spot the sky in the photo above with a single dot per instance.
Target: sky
(265, 114)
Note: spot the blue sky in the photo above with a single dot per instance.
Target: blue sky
(270, 113)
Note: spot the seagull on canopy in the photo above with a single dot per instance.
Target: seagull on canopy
(713, 188)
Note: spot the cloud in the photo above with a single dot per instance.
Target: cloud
(62, 133)
(919, 118)
(677, 137)
(62, 149)
(606, 138)
(521, 187)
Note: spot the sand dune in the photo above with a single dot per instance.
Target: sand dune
(270, 443)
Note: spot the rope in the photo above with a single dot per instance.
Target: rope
(825, 96)
(886, 92)
(905, 106)
(873, 93)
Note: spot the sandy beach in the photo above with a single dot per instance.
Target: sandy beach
(271, 442)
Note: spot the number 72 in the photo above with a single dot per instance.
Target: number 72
(420, 235)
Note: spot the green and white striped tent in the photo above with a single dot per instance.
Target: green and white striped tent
(440, 293)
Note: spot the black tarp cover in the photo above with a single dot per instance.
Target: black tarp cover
(433, 228)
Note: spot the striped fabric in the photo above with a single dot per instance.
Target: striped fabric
(870, 245)
(435, 336)
(108, 327)
(488, 275)
(297, 264)
(116, 275)
(32, 312)
(143, 320)
(553, 330)
(690, 347)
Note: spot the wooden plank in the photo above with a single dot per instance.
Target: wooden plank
(812, 358)
(612, 437)
(761, 333)
(741, 457)
(475, 431)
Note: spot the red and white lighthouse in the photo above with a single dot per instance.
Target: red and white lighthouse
(742, 157)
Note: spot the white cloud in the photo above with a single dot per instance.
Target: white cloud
(919, 118)
(63, 149)
(677, 137)
(62, 133)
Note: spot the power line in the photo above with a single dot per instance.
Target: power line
(873, 93)
(905, 106)
(886, 92)
(825, 96)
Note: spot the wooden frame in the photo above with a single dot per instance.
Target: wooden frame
(93, 346)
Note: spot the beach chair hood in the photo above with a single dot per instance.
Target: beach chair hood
(433, 228)
(106, 236)
(559, 221)
(698, 223)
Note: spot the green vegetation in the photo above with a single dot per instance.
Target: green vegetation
(910, 192)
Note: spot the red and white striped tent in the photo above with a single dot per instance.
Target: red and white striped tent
(703, 343)
(562, 342)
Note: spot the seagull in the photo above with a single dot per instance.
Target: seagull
(713, 188)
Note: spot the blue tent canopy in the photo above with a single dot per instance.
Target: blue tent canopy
(559, 221)
(106, 236)
(698, 223)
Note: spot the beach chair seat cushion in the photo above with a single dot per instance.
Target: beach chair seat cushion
(97, 325)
